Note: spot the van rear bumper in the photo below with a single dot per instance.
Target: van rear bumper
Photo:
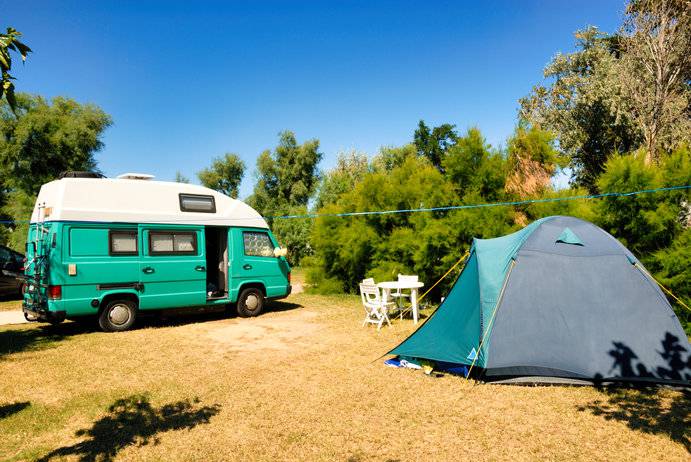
(45, 316)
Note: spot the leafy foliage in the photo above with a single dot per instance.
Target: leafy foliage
(286, 180)
(350, 168)
(532, 161)
(9, 41)
(348, 249)
(655, 71)
(38, 141)
(433, 144)
(48, 138)
(224, 175)
(18, 208)
(180, 178)
(582, 105)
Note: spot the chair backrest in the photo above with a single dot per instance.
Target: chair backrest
(370, 294)
(368, 281)
(407, 278)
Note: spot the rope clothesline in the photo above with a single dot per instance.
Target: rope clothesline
(422, 209)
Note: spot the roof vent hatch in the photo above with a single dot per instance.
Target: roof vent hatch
(135, 176)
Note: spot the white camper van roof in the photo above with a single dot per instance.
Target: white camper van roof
(115, 200)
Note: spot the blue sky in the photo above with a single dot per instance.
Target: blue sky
(186, 81)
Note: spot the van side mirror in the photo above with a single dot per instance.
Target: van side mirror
(280, 252)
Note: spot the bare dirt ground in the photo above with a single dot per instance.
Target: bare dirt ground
(300, 382)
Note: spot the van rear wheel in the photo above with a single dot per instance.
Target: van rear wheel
(118, 315)
(250, 302)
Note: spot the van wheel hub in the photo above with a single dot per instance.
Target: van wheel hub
(119, 315)
(251, 302)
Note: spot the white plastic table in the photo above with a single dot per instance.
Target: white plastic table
(388, 286)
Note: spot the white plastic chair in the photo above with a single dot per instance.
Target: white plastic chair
(400, 296)
(368, 281)
(376, 311)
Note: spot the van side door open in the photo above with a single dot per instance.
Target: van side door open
(172, 267)
(216, 250)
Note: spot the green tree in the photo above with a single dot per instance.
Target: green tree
(18, 208)
(673, 269)
(433, 144)
(288, 176)
(180, 178)
(583, 105)
(224, 175)
(532, 161)
(9, 41)
(390, 157)
(47, 138)
(287, 179)
(38, 141)
(655, 72)
(349, 170)
(348, 249)
(477, 172)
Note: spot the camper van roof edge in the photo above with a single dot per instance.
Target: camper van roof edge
(113, 200)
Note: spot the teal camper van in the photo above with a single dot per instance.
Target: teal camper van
(113, 247)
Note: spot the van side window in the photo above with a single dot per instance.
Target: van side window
(122, 243)
(257, 244)
(172, 243)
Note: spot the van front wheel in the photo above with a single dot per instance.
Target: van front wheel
(250, 302)
(118, 315)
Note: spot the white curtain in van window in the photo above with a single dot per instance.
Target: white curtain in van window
(162, 242)
(124, 242)
(184, 243)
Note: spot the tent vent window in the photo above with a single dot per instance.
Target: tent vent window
(569, 237)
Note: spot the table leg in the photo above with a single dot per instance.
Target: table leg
(413, 301)
(386, 293)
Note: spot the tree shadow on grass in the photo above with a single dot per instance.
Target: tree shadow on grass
(133, 421)
(648, 411)
(7, 410)
(30, 338)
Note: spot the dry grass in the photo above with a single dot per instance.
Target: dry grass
(298, 383)
(10, 305)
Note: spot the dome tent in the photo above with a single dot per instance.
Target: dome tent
(560, 298)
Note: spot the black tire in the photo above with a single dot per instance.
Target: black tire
(250, 303)
(117, 315)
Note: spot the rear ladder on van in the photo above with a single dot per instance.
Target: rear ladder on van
(35, 303)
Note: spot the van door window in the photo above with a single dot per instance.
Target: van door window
(172, 243)
(257, 244)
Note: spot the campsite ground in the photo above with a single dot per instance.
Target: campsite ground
(299, 382)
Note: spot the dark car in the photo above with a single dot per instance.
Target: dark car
(11, 267)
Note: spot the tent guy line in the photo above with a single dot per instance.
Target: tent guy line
(430, 209)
